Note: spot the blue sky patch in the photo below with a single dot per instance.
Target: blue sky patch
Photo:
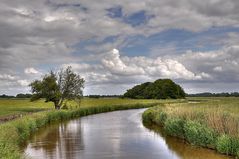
(137, 18)
(115, 12)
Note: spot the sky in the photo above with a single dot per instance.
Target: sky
(115, 45)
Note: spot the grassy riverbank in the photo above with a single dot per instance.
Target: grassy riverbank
(15, 106)
(15, 132)
(207, 122)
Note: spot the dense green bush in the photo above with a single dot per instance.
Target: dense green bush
(147, 116)
(199, 134)
(175, 127)
(227, 145)
(224, 144)
(160, 118)
(159, 89)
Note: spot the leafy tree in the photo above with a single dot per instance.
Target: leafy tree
(138, 91)
(21, 95)
(6, 96)
(159, 89)
(57, 87)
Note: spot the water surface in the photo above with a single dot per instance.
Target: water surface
(114, 135)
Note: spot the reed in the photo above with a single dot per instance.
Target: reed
(211, 123)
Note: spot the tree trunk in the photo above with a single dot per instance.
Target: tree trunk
(57, 106)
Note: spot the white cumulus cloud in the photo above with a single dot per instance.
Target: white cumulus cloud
(115, 65)
(158, 67)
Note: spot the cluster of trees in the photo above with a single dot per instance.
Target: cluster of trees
(208, 94)
(6, 96)
(20, 95)
(159, 89)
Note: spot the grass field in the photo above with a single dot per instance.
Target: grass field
(22, 106)
(207, 122)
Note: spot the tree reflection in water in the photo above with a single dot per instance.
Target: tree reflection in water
(62, 140)
(119, 134)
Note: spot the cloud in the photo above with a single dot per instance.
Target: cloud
(115, 65)
(7, 77)
(217, 68)
(31, 70)
(41, 35)
(221, 64)
(157, 68)
(23, 82)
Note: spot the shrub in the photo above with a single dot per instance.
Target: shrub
(9, 151)
(160, 118)
(23, 130)
(199, 134)
(147, 116)
(175, 127)
(223, 144)
(227, 145)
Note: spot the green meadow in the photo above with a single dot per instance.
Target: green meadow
(207, 122)
(23, 106)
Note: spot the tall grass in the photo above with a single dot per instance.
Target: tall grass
(211, 123)
(14, 133)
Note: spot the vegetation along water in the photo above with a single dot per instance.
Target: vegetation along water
(208, 122)
(118, 134)
(14, 133)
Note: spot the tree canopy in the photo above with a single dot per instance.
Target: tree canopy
(22, 95)
(57, 87)
(159, 89)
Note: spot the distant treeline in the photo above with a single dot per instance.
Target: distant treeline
(6, 96)
(205, 94)
(103, 96)
(20, 95)
(208, 94)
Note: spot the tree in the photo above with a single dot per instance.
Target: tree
(21, 95)
(58, 87)
(159, 89)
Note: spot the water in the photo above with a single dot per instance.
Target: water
(114, 135)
